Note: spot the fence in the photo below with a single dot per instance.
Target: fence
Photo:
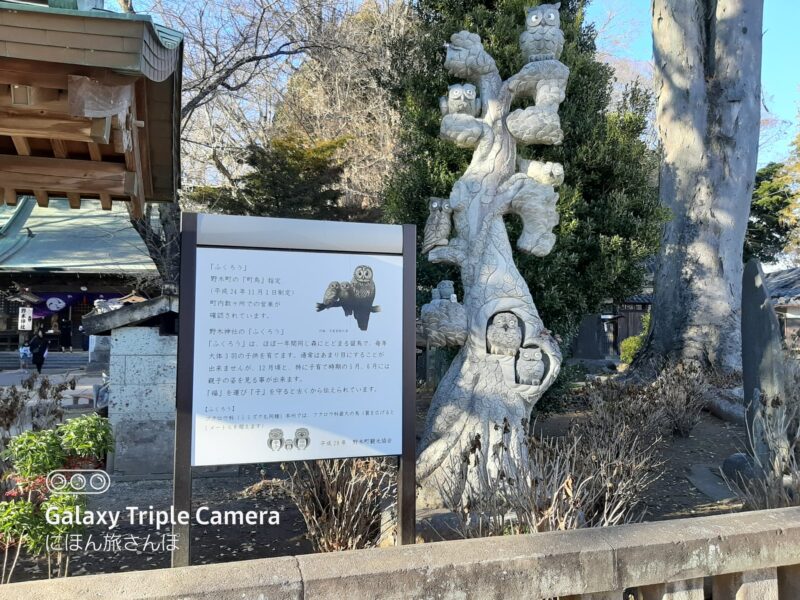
(744, 556)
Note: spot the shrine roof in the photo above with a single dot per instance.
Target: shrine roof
(58, 239)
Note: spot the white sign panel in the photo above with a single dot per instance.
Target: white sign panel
(25, 318)
(297, 356)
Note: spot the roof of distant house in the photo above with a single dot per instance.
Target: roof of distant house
(784, 286)
(59, 239)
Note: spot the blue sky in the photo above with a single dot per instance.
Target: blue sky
(780, 71)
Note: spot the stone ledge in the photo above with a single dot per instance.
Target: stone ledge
(530, 566)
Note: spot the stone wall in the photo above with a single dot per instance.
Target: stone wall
(743, 556)
(141, 404)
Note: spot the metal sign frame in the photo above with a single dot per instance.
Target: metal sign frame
(200, 230)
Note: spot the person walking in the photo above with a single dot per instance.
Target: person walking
(38, 347)
(65, 336)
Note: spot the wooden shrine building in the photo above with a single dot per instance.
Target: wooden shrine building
(89, 104)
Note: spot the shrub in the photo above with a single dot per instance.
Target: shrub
(631, 346)
(595, 476)
(35, 453)
(681, 389)
(342, 500)
(87, 436)
(18, 521)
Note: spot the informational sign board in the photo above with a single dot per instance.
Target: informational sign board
(25, 318)
(297, 341)
(284, 372)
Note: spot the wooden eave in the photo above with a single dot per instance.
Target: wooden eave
(89, 106)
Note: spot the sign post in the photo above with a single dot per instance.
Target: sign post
(296, 342)
(25, 318)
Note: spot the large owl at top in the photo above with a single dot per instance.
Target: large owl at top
(462, 99)
(542, 38)
(438, 225)
(362, 293)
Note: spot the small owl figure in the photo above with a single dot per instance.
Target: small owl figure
(542, 38)
(462, 99)
(504, 335)
(438, 225)
(345, 293)
(530, 366)
(331, 297)
(362, 295)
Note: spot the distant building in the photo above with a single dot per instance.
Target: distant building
(784, 287)
(60, 260)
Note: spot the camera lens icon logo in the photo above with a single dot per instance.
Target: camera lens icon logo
(78, 481)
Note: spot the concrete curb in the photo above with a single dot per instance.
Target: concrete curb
(525, 566)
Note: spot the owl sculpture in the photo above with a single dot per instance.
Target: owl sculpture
(530, 366)
(362, 295)
(504, 335)
(438, 225)
(462, 99)
(542, 38)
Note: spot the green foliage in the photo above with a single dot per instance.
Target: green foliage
(630, 347)
(35, 453)
(87, 436)
(772, 223)
(18, 519)
(610, 215)
(554, 398)
(288, 179)
(58, 505)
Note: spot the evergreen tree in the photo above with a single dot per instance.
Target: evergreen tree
(610, 215)
(286, 179)
(772, 221)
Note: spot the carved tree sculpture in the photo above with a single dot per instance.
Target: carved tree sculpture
(481, 394)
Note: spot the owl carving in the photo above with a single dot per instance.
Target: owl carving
(542, 38)
(530, 366)
(504, 335)
(461, 99)
(362, 295)
(438, 225)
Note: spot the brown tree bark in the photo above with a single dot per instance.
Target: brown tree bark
(708, 80)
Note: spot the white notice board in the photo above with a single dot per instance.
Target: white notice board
(283, 371)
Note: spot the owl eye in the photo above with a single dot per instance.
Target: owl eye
(536, 19)
(446, 206)
(435, 205)
(551, 17)
(469, 94)
(455, 93)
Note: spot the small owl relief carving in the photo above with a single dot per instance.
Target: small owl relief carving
(461, 99)
(530, 366)
(542, 38)
(504, 335)
(438, 225)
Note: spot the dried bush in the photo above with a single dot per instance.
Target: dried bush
(681, 390)
(774, 485)
(342, 500)
(595, 476)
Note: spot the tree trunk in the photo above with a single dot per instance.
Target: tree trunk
(708, 80)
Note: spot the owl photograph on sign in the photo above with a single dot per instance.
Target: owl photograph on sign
(354, 297)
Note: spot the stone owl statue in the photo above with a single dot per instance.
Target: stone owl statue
(438, 225)
(542, 38)
(361, 296)
(462, 99)
(530, 366)
(504, 335)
